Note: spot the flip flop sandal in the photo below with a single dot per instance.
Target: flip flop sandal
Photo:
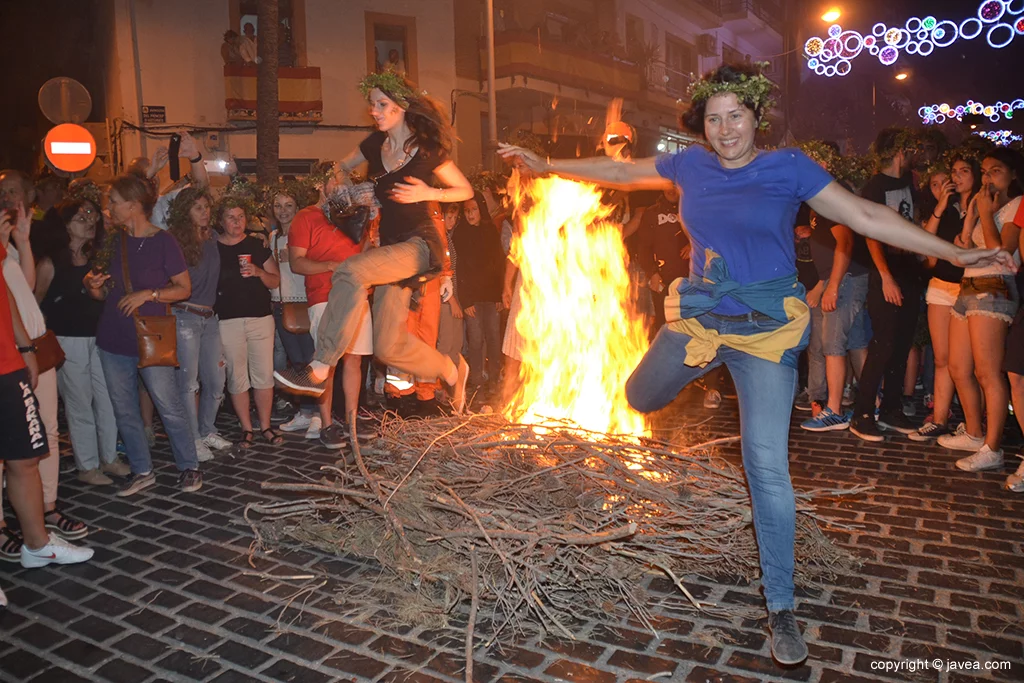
(246, 441)
(10, 545)
(68, 528)
(274, 439)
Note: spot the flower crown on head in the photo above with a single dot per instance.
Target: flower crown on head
(391, 83)
(756, 90)
(82, 189)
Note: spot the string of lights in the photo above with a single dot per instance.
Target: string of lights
(833, 55)
(1002, 138)
(940, 113)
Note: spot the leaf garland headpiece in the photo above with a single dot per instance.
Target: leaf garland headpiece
(756, 90)
(391, 83)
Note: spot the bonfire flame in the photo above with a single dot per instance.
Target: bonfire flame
(582, 335)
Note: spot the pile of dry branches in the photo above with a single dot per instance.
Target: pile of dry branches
(536, 527)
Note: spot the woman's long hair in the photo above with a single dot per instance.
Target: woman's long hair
(486, 222)
(426, 118)
(180, 225)
(1013, 161)
(55, 240)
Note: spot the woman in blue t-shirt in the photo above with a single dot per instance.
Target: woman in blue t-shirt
(741, 203)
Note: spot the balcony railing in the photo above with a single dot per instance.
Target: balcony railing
(768, 12)
(523, 53)
(298, 91)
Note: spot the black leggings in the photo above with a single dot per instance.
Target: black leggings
(892, 335)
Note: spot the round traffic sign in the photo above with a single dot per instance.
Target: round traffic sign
(70, 147)
(65, 100)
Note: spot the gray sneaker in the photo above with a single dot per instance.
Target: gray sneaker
(190, 480)
(788, 646)
(135, 483)
(333, 437)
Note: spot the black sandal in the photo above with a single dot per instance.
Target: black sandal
(10, 545)
(68, 528)
(246, 440)
(275, 439)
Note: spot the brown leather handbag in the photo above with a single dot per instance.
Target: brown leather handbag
(294, 314)
(157, 334)
(49, 354)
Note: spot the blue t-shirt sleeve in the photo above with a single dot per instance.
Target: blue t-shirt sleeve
(810, 177)
(673, 165)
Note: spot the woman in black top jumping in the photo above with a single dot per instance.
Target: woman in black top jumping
(405, 155)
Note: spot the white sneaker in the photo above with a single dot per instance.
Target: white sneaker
(313, 430)
(57, 551)
(297, 423)
(203, 452)
(1015, 482)
(984, 459)
(216, 442)
(960, 440)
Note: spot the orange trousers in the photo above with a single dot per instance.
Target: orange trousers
(423, 323)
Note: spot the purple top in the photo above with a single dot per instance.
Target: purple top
(152, 262)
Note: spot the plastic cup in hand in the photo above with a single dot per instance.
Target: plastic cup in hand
(244, 262)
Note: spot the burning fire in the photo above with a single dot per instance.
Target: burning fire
(582, 336)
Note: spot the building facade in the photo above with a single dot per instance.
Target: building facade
(558, 63)
(166, 69)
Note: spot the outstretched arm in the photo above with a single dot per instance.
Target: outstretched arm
(881, 223)
(639, 174)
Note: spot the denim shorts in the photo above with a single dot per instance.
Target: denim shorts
(847, 328)
(992, 295)
(941, 293)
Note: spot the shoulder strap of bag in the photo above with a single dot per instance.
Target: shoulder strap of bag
(280, 282)
(124, 263)
(127, 274)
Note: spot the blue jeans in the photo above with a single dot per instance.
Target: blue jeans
(120, 373)
(765, 392)
(200, 366)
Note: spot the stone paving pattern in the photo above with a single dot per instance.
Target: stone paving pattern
(170, 595)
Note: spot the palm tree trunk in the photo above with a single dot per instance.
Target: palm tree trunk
(267, 115)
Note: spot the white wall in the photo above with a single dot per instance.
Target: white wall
(181, 67)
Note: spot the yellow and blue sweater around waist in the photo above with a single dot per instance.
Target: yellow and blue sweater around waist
(781, 299)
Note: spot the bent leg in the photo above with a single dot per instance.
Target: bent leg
(662, 374)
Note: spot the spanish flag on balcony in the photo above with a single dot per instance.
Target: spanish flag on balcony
(298, 92)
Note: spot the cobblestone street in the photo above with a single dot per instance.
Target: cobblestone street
(170, 595)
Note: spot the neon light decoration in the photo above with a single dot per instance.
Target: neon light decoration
(1002, 138)
(833, 55)
(940, 113)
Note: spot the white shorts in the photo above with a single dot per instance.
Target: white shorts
(362, 343)
(941, 293)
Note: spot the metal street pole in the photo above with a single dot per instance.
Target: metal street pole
(492, 107)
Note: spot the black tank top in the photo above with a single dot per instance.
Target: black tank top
(68, 308)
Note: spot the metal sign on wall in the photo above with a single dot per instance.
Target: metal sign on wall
(154, 114)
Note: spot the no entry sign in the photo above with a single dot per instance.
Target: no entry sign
(70, 147)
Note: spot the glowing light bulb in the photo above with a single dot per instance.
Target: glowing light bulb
(831, 15)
